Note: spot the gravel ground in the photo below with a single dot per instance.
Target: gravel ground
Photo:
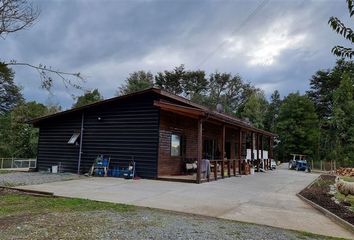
(140, 224)
(30, 178)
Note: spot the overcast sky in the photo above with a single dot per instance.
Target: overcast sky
(279, 46)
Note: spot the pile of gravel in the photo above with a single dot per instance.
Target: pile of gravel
(30, 178)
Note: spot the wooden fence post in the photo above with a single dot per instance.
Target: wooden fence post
(223, 151)
(335, 165)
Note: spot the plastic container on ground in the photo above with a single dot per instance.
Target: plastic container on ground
(55, 169)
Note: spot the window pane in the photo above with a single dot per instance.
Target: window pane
(175, 145)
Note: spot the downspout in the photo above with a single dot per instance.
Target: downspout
(81, 137)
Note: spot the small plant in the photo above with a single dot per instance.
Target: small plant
(349, 200)
(323, 183)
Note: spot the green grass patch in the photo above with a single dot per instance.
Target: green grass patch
(306, 235)
(4, 171)
(348, 179)
(322, 183)
(350, 199)
(13, 204)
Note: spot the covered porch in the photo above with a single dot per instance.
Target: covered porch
(189, 137)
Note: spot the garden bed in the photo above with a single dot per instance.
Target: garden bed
(319, 193)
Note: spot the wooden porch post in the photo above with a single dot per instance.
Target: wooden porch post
(264, 163)
(252, 148)
(234, 157)
(257, 148)
(199, 149)
(222, 151)
(239, 151)
(270, 149)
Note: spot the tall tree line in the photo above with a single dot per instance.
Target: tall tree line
(236, 96)
(319, 123)
(332, 93)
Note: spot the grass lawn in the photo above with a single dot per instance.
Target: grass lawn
(14, 204)
(348, 179)
(24, 216)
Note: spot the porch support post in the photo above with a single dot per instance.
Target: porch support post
(264, 163)
(257, 148)
(222, 151)
(199, 149)
(239, 150)
(270, 148)
(252, 148)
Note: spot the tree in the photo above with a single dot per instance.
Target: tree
(10, 94)
(18, 138)
(171, 81)
(16, 15)
(255, 109)
(5, 134)
(136, 81)
(323, 86)
(346, 32)
(272, 112)
(229, 91)
(297, 127)
(194, 84)
(343, 121)
(87, 98)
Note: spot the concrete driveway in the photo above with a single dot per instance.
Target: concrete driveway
(264, 198)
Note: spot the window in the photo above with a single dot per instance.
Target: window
(74, 138)
(175, 145)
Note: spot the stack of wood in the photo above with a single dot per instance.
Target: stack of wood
(345, 172)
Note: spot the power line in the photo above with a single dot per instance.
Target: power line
(236, 30)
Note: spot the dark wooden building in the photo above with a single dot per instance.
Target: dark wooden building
(162, 132)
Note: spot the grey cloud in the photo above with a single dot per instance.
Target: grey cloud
(108, 39)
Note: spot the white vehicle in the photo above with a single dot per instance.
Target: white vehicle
(273, 164)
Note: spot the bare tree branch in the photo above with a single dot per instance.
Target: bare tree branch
(16, 15)
(45, 74)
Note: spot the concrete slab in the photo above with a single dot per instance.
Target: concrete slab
(265, 198)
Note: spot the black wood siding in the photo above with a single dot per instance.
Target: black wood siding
(53, 147)
(128, 129)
